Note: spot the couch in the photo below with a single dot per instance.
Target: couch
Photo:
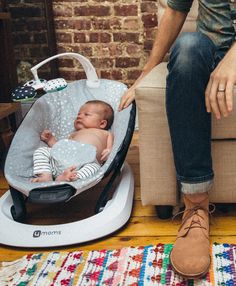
(157, 172)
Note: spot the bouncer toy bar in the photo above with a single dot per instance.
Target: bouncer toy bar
(29, 90)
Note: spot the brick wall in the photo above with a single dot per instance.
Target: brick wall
(29, 36)
(116, 35)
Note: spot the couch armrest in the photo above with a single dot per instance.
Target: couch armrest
(157, 172)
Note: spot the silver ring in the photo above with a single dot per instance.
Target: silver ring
(221, 90)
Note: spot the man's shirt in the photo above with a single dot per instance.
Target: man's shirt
(216, 19)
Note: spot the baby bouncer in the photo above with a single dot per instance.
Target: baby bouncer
(56, 111)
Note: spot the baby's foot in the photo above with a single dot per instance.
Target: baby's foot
(44, 177)
(62, 178)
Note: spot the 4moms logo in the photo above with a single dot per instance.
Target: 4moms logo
(38, 233)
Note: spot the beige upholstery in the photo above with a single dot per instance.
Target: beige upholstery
(157, 172)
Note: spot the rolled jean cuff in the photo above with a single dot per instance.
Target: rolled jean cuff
(194, 188)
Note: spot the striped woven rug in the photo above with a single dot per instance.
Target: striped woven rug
(130, 266)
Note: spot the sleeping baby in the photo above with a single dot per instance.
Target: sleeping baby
(81, 155)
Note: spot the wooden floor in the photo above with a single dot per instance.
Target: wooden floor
(143, 228)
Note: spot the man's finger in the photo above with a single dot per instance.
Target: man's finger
(222, 103)
(128, 102)
(213, 99)
(229, 95)
(207, 93)
(122, 102)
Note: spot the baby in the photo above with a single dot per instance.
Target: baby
(91, 129)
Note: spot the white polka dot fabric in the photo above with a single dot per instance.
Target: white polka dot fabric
(56, 111)
(22, 93)
(69, 153)
(55, 85)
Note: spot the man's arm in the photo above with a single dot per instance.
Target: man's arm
(219, 91)
(168, 30)
(170, 26)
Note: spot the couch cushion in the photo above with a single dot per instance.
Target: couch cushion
(224, 128)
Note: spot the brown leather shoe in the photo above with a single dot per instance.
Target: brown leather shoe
(190, 255)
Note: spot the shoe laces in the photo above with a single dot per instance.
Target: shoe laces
(195, 215)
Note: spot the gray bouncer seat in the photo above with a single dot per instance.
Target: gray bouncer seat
(56, 111)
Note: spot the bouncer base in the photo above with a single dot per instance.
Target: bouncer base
(114, 215)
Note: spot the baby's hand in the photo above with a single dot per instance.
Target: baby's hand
(105, 154)
(68, 175)
(46, 135)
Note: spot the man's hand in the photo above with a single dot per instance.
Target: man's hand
(127, 98)
(219, 91)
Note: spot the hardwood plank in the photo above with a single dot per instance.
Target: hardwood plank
(137, 193)
(13, 253)
(5, 15)
(10, 253)
(140, 210)
(3, 183)
(8, 108)
(2, 192)
(152, 226)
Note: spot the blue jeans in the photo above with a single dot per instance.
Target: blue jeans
(193, 57)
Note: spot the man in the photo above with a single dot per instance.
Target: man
(201, 78)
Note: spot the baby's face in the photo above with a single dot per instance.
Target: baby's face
(89, 116)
